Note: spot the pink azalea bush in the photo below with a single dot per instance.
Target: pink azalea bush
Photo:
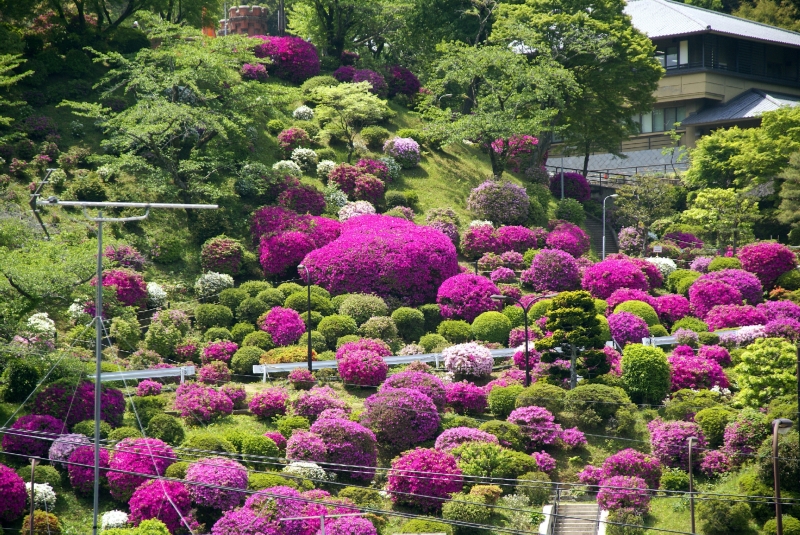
(80, 469)
(277, 438)
(236, 393)
(671, 308)
(627, 294)
(715, 463)
(126, 256)
(219, 472)
(311, 403)
(303, 199)
(350, 525)
(222, 255)
(428, 384)
(604, 278)
(502, 203)
(301, 379)
(591, 475)
(148, 388)
(63, 447)
(552, 270)
(627, 328)
(407, 484)
(516, 239)
(718, 354)
(15, 494)
(376, 81)
(76, 404)
(690, 370)
(705, 295)
(400, 418)
(465, 397)
(569, 238)
(725, 316)
(452, 438)
(133, 456)
(747, 283)
(684, 240)
(221, 350)
(33, 434)
(215, 373)
(767, 260)
(503, 275)
(269, 402)
(533, 356)
(167, 501)
(284, 325)
(537, 425)
(701, 264)
(573, 438)
(773, 310)
(744, 435)
(305, 446)
(479, 240)
(348, 443)
(284, 251)
(129, 286)
(401, 81)
(668, 441)
(469, 359)
(630, 462)
(196, 402)
(544, 461)
(362, 368)
(466, 296)
(783, 328)
(624, 492)
(364, 344)
(293, 58)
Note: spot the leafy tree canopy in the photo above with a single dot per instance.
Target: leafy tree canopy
(643, 202)
(719, 210)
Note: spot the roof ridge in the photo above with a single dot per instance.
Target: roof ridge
(721, 14)
(681, 12)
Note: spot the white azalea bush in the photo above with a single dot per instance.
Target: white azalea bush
(288, 167)
(355, 209)
(306, 159)
(664, 265)
(114, 519)
(156, 295)
(303, 113)
(210, 284)
(44, 497)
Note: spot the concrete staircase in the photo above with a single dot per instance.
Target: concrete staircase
(577, 518)
(594, 227)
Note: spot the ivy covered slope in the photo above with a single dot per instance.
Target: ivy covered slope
(411, 189)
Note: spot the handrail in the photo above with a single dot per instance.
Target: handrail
(554, 511)
(597, 520)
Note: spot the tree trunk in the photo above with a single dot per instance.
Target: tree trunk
(586, 158)
(573, 374)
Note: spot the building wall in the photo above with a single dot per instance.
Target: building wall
(714, 86)
(245, 20)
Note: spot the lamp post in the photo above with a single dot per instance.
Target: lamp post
(691, 441)
(34, 462)
(614, 196)
(525, 309)
(308, 311)
(779, 426)
(562, 173)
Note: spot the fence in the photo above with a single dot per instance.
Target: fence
(182, 372)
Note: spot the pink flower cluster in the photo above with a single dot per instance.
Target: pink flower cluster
(768, 260)
(715, 463)
(305, 446)
(604, 278)
(466, 296)
(167, 501)
(706, 294)
(630, 462)
(196, 402)
(311, 403)
(624, 492)
(465, 397)
(575, 186)
(215, 373)
(81, 469)
(221, 350)
(428, 384)
(212, 473)
(303, 199)
(12, 488)
(515, 149)
(718, 354)
(537, 424)
(269, 402)
(130, 288)
(573, 438)
(348, 443)
(284, 325)
(133, 456)
(503, 203)
(428, 493)
(148, 388)
(404, 150)
(671, 308)
(783, 328)
(34, 434)
(627, 294)
(569, 238)
(402, 81)
(690, 370)
(236, 393)
(668, 441)
(627, 328)
(254, 72)
(301, 379)
(552, 270)
(773, 310)
(456, 436)
(362, 367)
(126, 256)
(468, 359)
(725, 316)
(747, 283)
(222, 255)
(400, 418)
(293, 58)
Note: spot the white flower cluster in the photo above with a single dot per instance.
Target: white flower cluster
(664, 265)
(468, 359)
(355, 209)
(44, 497)
(114, 519)
(306, 159)
(394, 168)
(303, 113)
(41, 323)
(324, 169)
(75, 310)
(211, 284)
(105, 172)
(412, 349)
(156, 296)
(307, 470)
(288, 167)
(334, 197)
(480, 223)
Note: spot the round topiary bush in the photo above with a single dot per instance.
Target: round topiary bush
(244, 359)
(44, 523)
(455, 331)
(348, 443)
(81, 469)
(509, 434)
(768, 260)
(167, 501)
(400, 418)
(502, 400)
(14, 493)
(705, 294)
(465, 397)
(640, 309)
(491, 327)
(468, 509)
(466, 296)
(645, 373)
(132, 456)
(222, 255)
(34, 435)
(209, 315)
(298, 301)
(468, 359)
(723, 262)
(427, 493)
(335, 326)
(604, 278)
(552, 270)
(427, 384)
(293, 58)
(166, 428)
(259, 339)
(269, 402)
(255, 447)
(541, 394)
(690, 323)
(422, 525)
(362, 307)
(217, 471)
(410, 323)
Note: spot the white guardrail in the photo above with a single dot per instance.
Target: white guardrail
(671, 340)
(182, 372)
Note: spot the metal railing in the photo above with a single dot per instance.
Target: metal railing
(182, 372)
(621, 176)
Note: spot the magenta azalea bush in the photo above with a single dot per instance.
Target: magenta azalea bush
(282, 252)
(236, 393)
(404, 150)
(466, 296)
(348, 443)
(33, 435)
(465, 397)
(277, 438)
(148, 388)
(305, 446)
(366, 344)
(167, 501)
(715, 463)
(350, 525)
(76, 404)
(479, 240)
(573, 438)
(773, 310)
(129, 286)
(690, 370)
(199, 403)
(684, 240)
(575, 186)
(544, 461)
(407, 484)
(133, 456)
(629, 462)
(125, 256)
(725, 316)
(569, 238)
(627, 294)
(783, 328)
(624, 492)
(747, 283)
(767, 260)
(428, 384)
(705, 295)
(604, 278)
(221, 350)
(468, 359)
(269, 402)
(81, 469)
(552, 270)
(215, 472)
(718, 354)
(401, 81)
(293, 58)
(517, 239)
(668, 441)
(222, 255)
(311, 403)
(303, 199)
(215, 373)
(362, 367)
(701, 264)
(671, 308)
(452, 438)
(744, 435)
(284, 325)
(502, 203)
(385, 256)
(376, 81)
(301, 379)
(537, 425)
(400, 418)
(14, 493)
(627, 328)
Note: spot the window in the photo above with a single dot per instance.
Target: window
(668, 55)
(660, 120)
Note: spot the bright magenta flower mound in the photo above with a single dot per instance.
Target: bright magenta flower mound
(691, 370)
(502, 203)
(768, 260)
(671, 308)
(569, 238)
(724, 316)
(76, 404)
(552, 270)
(629, 462)
(668, 441)
(305, 446)
(166, 501)
(747, 283)
(426, 493)
(148, 388)
(222, 255)
(428, 384)
(626, 294)
(385, 256)
(350, 525)
(217, 471)
(14, 493)
(129, 286)
(468, 359)
(467, 296)
(148, 456)
(348, 443)
(269, 402)
(221, 350)
(452, 438)
(400, 418)
(624, 492)
(706, 294)
(293, 58)
(537, 425)
(81, 468)
(773, 310)
(312, 402)
(362, 367)
(604, 278)
(284, 325)
(627, 328)
(197, 402)
(465, 397)
(34, 435)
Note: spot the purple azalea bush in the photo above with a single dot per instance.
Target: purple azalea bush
(406, 487)
(668, 441)
(569, 238)
(452, 438)
(690, 370)
(627, 328)
(767, 260)
(269, 403)
(552, 270)
(400, 418)
(134, 456)
(212, 473)
(293, 58)
(502, 203)
(466, 296)
(284, 325)
(537, 425)
(725, 316)
(404, 150)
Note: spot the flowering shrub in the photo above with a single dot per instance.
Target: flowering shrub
(575, 186)
(629, 462)
(668, 441)
(277, 438)
(34, 435)
(303, 113)
(125, 256)
(503, 275)
(301, 379)
(724, 316)
(345, 73)
(654, 277)
(627, 328)
(573, 438)
(701, 264)
(715, 463)
(400, 418)
(466, 296)
(355, 209)
(303, 199)
(305, 446)
(311, 403)
(284, 325)
(63, 447)
(236, 393)
(767, 260)
(479, 240)
(465, 397)
(426, 493)
(114, 519)
(747, 283)
(773, 310)
(552, 270)
(221, 350)
(217, 471)
(254, 72)
(537, 425)
(401, 81)
(81, 468)
(385, 256)
(665, 265)
(605, 277)
(671, 308)
(428, 384)
(705, 295)
(469, 359)
(456, 436)
(362, 368)
(718, 354)
(404, 150)
(376, 81)
(348, 443)
(76, 404)
(293, 138)
(503, 203)
(517, 239)
(209, 285)
(148, 456)
(684, 240)
(263, 513)
(167, 501)
(269, 402)
(544, 461)
(350, 525)
(690, 370)
(591, 475)
(222, 255)
(630, 240)
(282, 252)
(290, 170)
(12, 488)
(129, 286)
(744, 435)
(196, 402)
(293, 58)
(743, 337)
(783, 328)
(626, 294)
(369, 344)
(369, 188)
(215, 373)
(148, 388)
(569, 238)
(624, 493)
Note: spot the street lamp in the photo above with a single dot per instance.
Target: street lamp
(779, 426)
(614, 196)
(691, 441)
(308, 311)
(525, 309)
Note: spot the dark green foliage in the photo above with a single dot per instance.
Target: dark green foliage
(41, 474)
(491, 327)
(395, 198)
(674, 479)
(684, 403)
(240, 330)
(570, 210)
(235, 436)
(423, 525)
(468, 509)
(177, 470)
(272, 297)
(20, 379)
(259, 339)
(712, 421)
(362, 307)
(217, 333)
(206, 442)
(146, 408)
(723, 262)
(783, 407)
(750, 485)
(287, 424)
(316, 318)
(245, 358)
(707, 339)
(645, 373)
(361, 496)
(318, 341)
(208, 315)
(166, 428)
(455, 331)
(232, 297)
(451, 419)
(691, 323)
(251, 309)
(788, 461)
(540, 308)
(433, 316)
(124, 432)
(789, 280)
(253, 288)
(431, 341)
(86, 427)
(375, 136)
(791, 526)
(299, 301)
(410, 323)
(502, 399)
(535, 486)
(335, 326)
(486, 460)
(626, 522)
(88, 187)
(596, 406)
(258, 446)
(317, 81)
(658, 330)
(640, 309)
(718, 516)
(544, 395)
(507, 433)
(261, 481)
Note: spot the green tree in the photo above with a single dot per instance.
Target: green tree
(612, 63)
(783, 13)
(766, 371)
(789, 208)
(722, 212)
(572, 319)
(494, 93)
(8, 64)
(645, 201)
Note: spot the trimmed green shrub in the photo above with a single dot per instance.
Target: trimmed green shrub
(258, 446)
(299, 301)
(788, 461)
(600, 306)
(346, 339)
(20, 379)
(362, 307)
(646, 374)
(240, 330)
(674, 479)
(316, 318)
(570, 210)
(253, 288)
(361, 496)
(287, 424)
(205, 442)
(335, 326)
(789, 280)
(379, 327)
(515, 315)
(429, 342)
(433, 316)
(719, 516)
(41, 474)
(337, 300)
(605, 330)
(167, 428)
(640, 309)
(318, 341)
(86, 427)
(712, 420)
(289, 288)
(245, 358)
(708, 339)
(274, 126)
(374, 136)
(413, 133)
(423, 525)
(691, 323)
(146, 407)
(177, 470)
(685, 402)
(209, 315)
(232, 297)
(658, 330)
(235, 436)
(261, 481)
(791, 526)
(539, 309)
(597, 406)
(724, 262)
(395, 198)
(482, 459)
(410, 323)
(542, 394)
(455, 331)
(451, 419)
(259, 339)
(502, 399)
(251, 309)
(534, 485)
(684, 283)
(217, 333)
(671, 281)
(121, 433)
(625, 523)
(271, 297)
(507, 433)
(491, 327)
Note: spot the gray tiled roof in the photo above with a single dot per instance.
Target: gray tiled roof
(664, 18)
(748, 105)
(641, 161)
